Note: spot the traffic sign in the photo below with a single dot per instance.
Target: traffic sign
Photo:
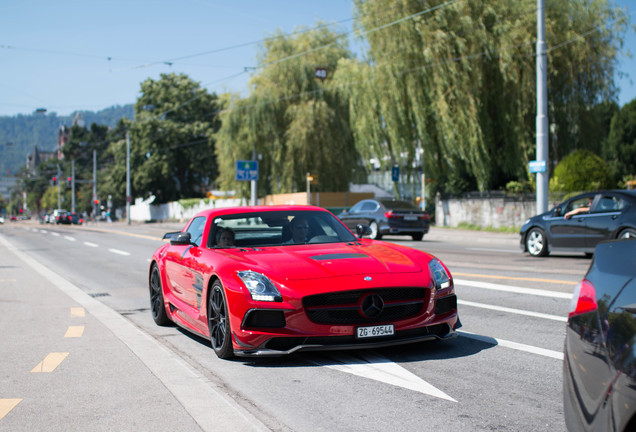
(395, 173)
(537, 166)
(246, 170)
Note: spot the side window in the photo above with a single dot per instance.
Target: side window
(196, 230)
(369, 206)
(581, 202)
(356, 208)
(609, 204)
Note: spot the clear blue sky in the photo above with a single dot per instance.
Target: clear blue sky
(56, 54)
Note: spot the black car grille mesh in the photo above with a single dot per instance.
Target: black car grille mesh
(346, 308)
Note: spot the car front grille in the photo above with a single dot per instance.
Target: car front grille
(365, 306)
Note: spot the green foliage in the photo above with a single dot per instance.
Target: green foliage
(579, 171)
(172, 144)
(620, 150)
(295, 123)
(459, 82)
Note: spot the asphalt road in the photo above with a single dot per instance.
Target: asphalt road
(124, 373)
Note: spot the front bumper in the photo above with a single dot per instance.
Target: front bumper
(289, 345)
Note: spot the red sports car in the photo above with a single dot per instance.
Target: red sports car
(274, 280)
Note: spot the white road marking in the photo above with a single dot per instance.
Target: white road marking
(69, 238)
(514, 311)
(376, 367)
(119, 252)
(44, 231)
(90, 244)
(514, 345)
(55, 234)
(513, 289)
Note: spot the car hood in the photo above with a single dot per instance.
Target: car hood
(323, 261)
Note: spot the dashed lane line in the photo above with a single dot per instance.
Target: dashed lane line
(89, 244)
(74, 332)
(50, 362)
(119, 252)
(7, 405)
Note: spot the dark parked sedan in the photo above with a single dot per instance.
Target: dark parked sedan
(387, 216)
(599, 368)
(581, 222)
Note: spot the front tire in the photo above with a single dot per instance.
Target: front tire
(219, 323)
(375, 231)
(537, 243)
(157, 304)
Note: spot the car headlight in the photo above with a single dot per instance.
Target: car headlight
(439, 274)
(259, 286)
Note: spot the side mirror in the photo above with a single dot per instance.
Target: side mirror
(557, 211)
(181, 238)
(363, 230)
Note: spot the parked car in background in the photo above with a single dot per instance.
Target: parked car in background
(1, 220)
(387, 216)
(76, 219)
(62, 217)
(267, 280)
(580, 223)
(599, 367)
(44, 218)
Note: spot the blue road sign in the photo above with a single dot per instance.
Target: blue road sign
(395, 173)
(537, 166)
(246, 170)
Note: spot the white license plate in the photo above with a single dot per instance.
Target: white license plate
(410, 218)
(375, 331)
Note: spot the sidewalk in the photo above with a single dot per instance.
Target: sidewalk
(71, 363)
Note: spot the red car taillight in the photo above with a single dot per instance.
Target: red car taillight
(390, 215)
(425, 216)
(583, 299)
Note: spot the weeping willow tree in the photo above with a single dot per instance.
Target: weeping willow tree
(455, 82)
(293, 122)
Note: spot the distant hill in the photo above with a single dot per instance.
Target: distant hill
(21, 133)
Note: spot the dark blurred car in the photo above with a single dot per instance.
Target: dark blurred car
(44, 218)
(75, 218)
(387, 216)
(599, 368)
(612, 215)
(63, 218)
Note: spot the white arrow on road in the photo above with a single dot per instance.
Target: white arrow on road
(376, 367)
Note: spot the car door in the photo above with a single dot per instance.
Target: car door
(182, 267)
(604, 218)
(570, 233)
(353, 216)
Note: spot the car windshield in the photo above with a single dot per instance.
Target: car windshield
(277, 228)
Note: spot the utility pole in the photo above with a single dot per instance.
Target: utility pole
(59, 190)
(542, 110)
(95, 184)
(73, 186)
(128, 197)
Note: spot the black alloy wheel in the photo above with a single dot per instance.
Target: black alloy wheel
(219, 323)
(157, 304)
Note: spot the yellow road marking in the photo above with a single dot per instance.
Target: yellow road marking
(78, 312)
(50, 362)
(7, 405)
(74, 332)
(515, 278)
